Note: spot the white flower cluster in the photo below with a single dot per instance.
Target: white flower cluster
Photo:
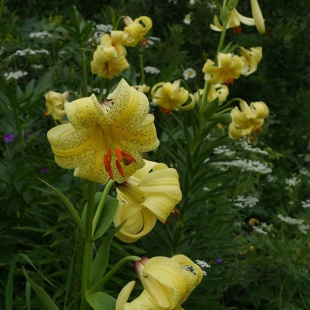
(290, 220)
(224, 150)
(248, 147)
(246, 165)
(152, 70)
(271, 178)
(40, 35)
(304, 171)
(29, 51)
(306, 204)
(187, 19)
(292, 182)
(202, 264)
(243, 202)
(36, 66)
(259, 230)
(15, 75)
(101, 29)
(303, 228)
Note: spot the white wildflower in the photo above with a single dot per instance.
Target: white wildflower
(40, 35)
(306, 204)
(15, 75)
(152, 70)
(290, 220)
(292, 182)
(223, 150)
(202, 264)
(259, 230)
(303, 228)
(189, 73)
(243, 202)
(271, 178)
(187, 19)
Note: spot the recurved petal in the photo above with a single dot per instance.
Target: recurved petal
(143, 302)
(169, 274)
(84, 112)
(245, 20)
(164, 181)
(139, 222)
(124, 295)
(261, 109)
(160, 204)
(66, 141)
(130, 107)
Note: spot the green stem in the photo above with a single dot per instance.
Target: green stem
(101, 205)
(141, 66)
(107, 277)
(87, 257)
(84, 71)
(102, 82)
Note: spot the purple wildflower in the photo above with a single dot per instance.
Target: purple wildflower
(8, 137)
(43, 169)
(219, 260)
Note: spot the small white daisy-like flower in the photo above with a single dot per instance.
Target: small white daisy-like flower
(187, 19)
(189, 73)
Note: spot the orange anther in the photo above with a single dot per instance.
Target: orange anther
(127, 158)
(118, 153)
(119, 168)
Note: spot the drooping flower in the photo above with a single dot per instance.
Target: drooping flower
(167, 283)
(248, 119)
(105, 141)
(258, 16)
(55, 104)
(235, 19)
(172, 97)
(219, 91)
(109, 58)
(229, 68)
(149, 194)
(142, 88)
(189, 73)
(251, 59)
(136, 29)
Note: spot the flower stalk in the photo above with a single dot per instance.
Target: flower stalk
(87, 256)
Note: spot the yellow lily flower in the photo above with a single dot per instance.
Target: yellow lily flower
(167, 283)
(171, 97)
(216, 91)
(235, 19)
(109, 58)
(101, 141)
(55, 104)
(249, 119)
(142, 88)
(250, 59)
(136, 30)
(229, 68)
(149, 194)
(258, 16)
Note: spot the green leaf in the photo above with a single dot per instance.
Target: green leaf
(101, 300)
(69, 205)
(46, 82)
(9, 285)
(100, 262)
(107, 216)
(27, 259)
(211, 108)
(45, 299)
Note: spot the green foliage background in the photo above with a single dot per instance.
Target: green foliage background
(255, 271)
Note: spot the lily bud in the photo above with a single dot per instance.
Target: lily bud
(258, 16)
